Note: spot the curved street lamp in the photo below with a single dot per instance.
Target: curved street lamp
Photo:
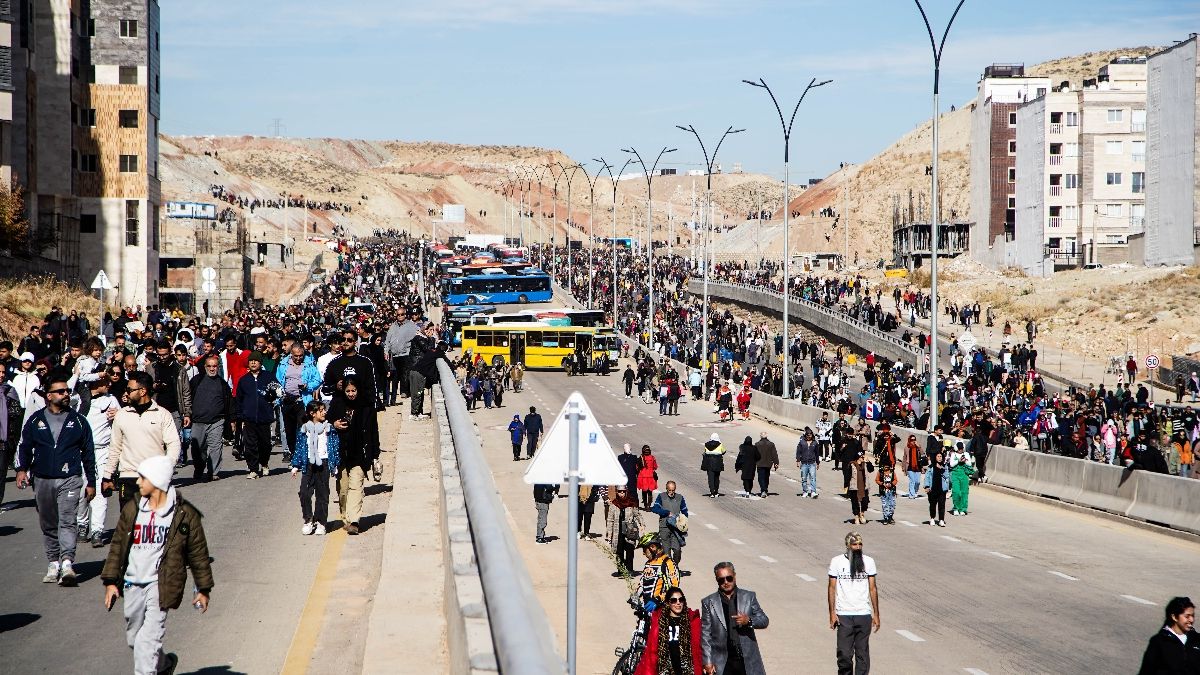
(787, 244)
(649, 236)
(567, 226)
(705, 219)
(608, 167)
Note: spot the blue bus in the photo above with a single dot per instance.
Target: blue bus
(457, 317)
(529, 285)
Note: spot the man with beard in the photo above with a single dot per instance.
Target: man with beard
(853, 606)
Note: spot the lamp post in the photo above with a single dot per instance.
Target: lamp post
(567, 227)
(787, 243)
(649, 236)
(608, 167)
(933, 217)
(591, 231)
(708, 166)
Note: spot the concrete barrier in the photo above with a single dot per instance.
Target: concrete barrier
(1105, 487)
(1167, 500)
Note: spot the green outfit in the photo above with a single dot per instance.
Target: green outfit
(960, 483)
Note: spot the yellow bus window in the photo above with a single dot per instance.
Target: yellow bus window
(484, 338)
(533, 339)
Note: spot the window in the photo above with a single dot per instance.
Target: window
(1012, 202)
(1070, 213)
(87, 223)
(483, 338)
(91, 28)
(1041, 91)
(87, 117)
(1071, 181)
(89, 163)
(1012, 147)
(1114, 147)
(1112, 178)
(1070, 149)
(156, 84)
(129, 119)
(75, 68)
(131, 222)
(91, 74)
(1112, 210)
(1138, 121)
(129, 75)
(129, 163)
(1139, 151)
(129, 28)
(1012, 119)
(1139, 181)
(1115, 115)
(1072, 119)
(1012, 175)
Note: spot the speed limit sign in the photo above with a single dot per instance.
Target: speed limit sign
(1152, 361)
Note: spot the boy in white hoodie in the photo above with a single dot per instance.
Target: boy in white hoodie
(99, 409)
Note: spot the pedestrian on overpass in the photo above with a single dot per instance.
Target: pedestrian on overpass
(768, 461)
(712, 462)
(853, 606)
(1176, 648)
(937, 484)
(728, 621)
(672, 532)
(533, 431)
(860, 492)
(516, 433)
(624, 525)
(962, 467)
(808, 458)
(543, 497)
(746, 464)
(627, 378)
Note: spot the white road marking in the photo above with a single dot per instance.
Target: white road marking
(910, 636)
(908, 523)
(790, 479)
(975, 671)
(1001, 555)
(1134, 598)
(690, 438)
(710, 526)
(805, 577)
(737, 542)
(768, 558)
(679, 432)
(949, 538)
(1068, 577)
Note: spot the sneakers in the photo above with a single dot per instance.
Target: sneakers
(252, 475)
(541, 540)
(352, 529)
(307, 528)
(66, 575)
(318, 529)
(941, 523)
(814, 495)
(97, 539)
(413, 418)
(169, 663)
(51, 574)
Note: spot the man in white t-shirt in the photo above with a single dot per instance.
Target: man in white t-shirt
(853, 606)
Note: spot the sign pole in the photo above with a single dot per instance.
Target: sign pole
(573, 416)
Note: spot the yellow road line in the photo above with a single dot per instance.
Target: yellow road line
(304, 641)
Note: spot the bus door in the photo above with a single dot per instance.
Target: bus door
(583, 350)
(516, 348)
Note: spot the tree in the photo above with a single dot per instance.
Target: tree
(14, 226)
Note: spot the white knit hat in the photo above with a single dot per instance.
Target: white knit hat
(715, 437)
(158, 470)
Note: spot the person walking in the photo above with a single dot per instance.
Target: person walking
(647, 477)
(659, 573)
(316, 457)
(12, 412)
(100, 408)
(962, 467)
(396, 346)
(886, 480)
(1174, 650)
(627, 378)
(712, 462)
(673, 639)
(860, 493)
(56, 450)
(158, 538)
(300, 379)
(768, 461)
(624, 527)
(543, 497)
(353, 415)
(212, 405)
(588, 496)
(629, 463)
(516, 434)
(914, 466)
(853, 606)
(746, 465)
(140, 430)
(728, 621)
(533, 431)
(808, 458)
(672, 531)
(936, 484)
(255, 413)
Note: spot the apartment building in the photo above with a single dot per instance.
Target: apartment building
(82, 141)
(1081, 171)
(7, 24)
(1173, 137)
(1001, 90)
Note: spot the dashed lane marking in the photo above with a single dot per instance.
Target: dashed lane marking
(910, 636)
(975, 671)
(737, 542)
(908, 523)
(1068, 577)
(805, 577)
(1140, 601)
(679, 432)
(711, 526)
(768, 558)
(998, 554)
(949, 538)
(790, 479)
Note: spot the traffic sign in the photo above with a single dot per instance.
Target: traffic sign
(1152, 361)
(966, 341)
(208, 274)
(102, 282)
(597, 463)
(208, 287)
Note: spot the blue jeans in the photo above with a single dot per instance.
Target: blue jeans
(662, 405)
(808, 478)
(889, 502)
(914, 483)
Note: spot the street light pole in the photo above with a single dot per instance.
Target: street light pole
(934, 227)
(608, 167)
(567, 227)
(706, 219)
(787, 243)
(649, 236)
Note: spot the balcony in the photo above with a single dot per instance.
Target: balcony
(1055, 222)
(1055, 190)
(1137, 127)
(1064, 258)
(1137, 224)
(1055, 160)
(1056, 128)
(1139, 157)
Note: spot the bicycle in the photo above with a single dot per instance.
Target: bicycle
(627, 659)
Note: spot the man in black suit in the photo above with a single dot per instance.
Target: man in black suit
(728, 619)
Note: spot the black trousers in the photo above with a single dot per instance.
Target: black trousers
(847, 467)
(256, 444)
(937, 505)
(748, 483)
(628, 387)
(293, 414)
(625, 553)
(517, 450)
(585, 522)
(127, 491)
(314, 484)
(531, 441)
(853, 644)
(764, 478)
(399, 379)
(736, 665)
(859, 505)
(714, 482)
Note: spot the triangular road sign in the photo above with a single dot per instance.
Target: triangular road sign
(597, 463)
(102, 281)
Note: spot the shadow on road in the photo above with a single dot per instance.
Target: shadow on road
(85, 571)
(376, 489)
(6, 530)
(367, 522)
(18, 620)
(215, 670)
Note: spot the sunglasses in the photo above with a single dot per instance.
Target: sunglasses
(58, 391)
(675, 600)
(722, 580)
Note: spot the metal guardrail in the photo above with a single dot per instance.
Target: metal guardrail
(520, 630)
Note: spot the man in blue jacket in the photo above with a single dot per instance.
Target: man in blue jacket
(56, 448)
(300, 379)
(516, 431)
(255, 411)
(533, 431)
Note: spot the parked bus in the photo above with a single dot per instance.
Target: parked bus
(534, 345)
(531, 285)
(587, 318)
(457, 317)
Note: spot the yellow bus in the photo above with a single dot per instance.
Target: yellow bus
(534, 345)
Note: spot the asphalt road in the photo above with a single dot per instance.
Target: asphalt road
(1016, 587)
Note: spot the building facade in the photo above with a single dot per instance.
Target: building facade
(1173, 109)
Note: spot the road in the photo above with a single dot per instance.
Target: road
(1016, 587)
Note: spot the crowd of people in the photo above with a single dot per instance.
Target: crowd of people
(290, 201)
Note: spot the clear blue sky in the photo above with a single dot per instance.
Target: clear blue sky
(592, 76)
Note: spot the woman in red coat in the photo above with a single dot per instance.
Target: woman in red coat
(673, 641)
(647, 478)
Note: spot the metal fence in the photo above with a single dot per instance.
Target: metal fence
(520, 630)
